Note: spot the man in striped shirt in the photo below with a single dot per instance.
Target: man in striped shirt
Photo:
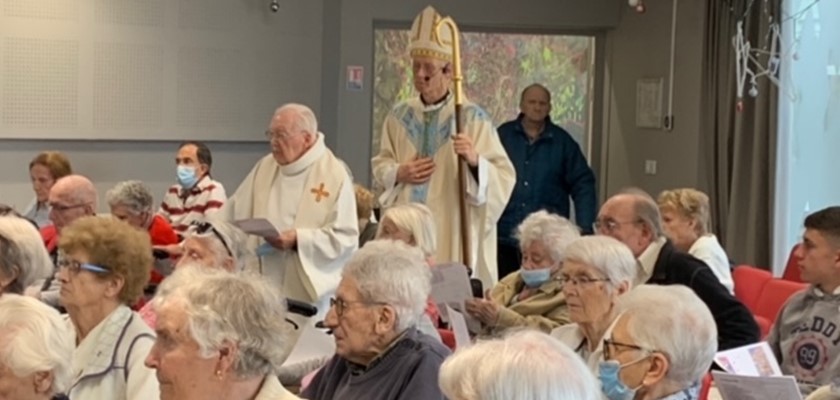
(196, 194)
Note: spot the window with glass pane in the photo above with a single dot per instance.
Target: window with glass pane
(496, 67)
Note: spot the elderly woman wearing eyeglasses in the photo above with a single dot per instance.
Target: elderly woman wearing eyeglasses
(380, 354)
(531, 297)
(661, 346)
(212, 245)
(596, 271)
(103, 267)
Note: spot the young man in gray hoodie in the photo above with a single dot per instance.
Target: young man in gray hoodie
(806, 335)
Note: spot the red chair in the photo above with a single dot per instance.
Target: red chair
(705, 386)
(774, 295)
(448, 338)
(749, 282)
(792, 266)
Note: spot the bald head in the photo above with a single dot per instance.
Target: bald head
(632, 217)
(71, 198)
(535, 88)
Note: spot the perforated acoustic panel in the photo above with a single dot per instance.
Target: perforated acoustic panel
(210, 88)
(131, 12)
(127, 91)
(40, 87)
(52, 9)
(154, 69)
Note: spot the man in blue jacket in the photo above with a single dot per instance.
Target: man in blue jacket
(550, 168)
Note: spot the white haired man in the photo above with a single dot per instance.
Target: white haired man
(526, 365)
(219, 336)
(35, 350)
(420, 151)
(304, 190)
(380, 354)
(633, 218)
(662, 345)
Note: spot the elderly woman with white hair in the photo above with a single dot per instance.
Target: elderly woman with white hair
(24, 260)
(220, 336)
(380, 354)
(212, 245)
(132, 202)
(413, 224)
(35, 350)
(661, 346)
(596, 271)
(526, 365)
(533, 296)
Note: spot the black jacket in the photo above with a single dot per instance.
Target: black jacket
(735, 324)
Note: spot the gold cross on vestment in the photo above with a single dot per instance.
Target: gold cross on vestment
(319, 193)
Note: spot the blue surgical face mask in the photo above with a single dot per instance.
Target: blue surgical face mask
(534, 278)
(186, 176)
(265, 249)
(611, 383)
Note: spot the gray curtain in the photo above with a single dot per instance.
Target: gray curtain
(739, 147)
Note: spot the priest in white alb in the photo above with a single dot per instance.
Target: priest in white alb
(304, 190)
(419, 151)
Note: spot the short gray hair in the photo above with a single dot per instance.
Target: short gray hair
(34, 338)
(646, 210)
(135, 195)
(305, 120)
(233, 237)
(525, 365)
(674, 321)
(22, 254)
(417, 220)
(552, 230)
(239, 308)
(393, 273)
(609, 256)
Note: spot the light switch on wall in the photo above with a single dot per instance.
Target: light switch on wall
(650, 167)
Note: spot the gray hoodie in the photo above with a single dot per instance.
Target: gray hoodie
(806, 338)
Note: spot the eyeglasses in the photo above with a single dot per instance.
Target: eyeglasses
(278, 136)
(75, 266)
(609, 344)
(580, 281)
(62, 208)
(341, 305)
(201, 227)
(610, 225)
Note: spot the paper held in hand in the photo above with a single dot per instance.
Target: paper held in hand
(752, 372)
(459, 327)
(451, 288)
(257, 226)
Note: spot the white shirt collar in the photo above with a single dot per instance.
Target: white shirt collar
(647, 260)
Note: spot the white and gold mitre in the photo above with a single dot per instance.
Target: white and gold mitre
(425, 41)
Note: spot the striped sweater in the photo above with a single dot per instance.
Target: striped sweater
(182, 207)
